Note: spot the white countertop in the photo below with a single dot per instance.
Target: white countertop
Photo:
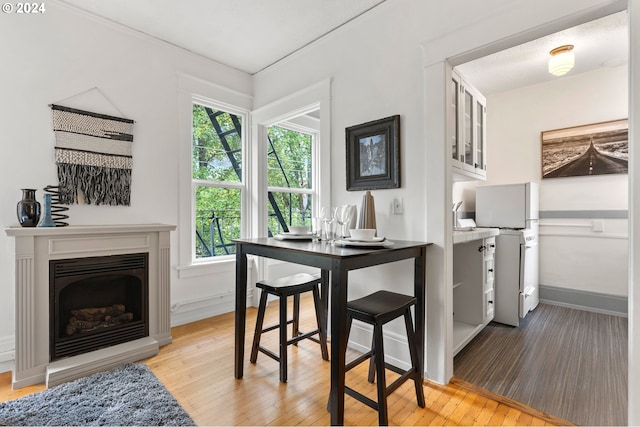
(475, 234)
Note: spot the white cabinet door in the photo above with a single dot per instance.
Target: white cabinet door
(467, 124)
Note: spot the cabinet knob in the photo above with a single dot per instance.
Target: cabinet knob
(490, 302)
(491, 270)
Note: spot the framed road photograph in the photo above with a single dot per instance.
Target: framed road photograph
(373, 155)
(595, 149)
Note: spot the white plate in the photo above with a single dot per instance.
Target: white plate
(292, 236)
(374, 240)
(372, 244)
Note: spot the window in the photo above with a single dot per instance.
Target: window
(217, 179)
(290, 182)
(228, 176)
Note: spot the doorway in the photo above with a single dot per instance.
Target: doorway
(439, 58)
(503, 167)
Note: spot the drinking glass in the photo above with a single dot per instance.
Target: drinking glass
(316, 228)
(330, 230)
(326, 216)
(341, 215)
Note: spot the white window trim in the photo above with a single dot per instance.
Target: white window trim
(282, 113)
(196, 90)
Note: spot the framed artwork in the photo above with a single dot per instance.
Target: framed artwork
(373, 155)
(594, 149)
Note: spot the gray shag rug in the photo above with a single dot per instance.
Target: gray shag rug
(130, 395)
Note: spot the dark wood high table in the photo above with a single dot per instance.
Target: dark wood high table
(335, 262)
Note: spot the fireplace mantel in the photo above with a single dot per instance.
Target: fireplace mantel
(35, 247)
(77, 230)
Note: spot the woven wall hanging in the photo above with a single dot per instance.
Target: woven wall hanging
(93, 155)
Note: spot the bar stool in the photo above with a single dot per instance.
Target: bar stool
(377, 309)
(284, 287)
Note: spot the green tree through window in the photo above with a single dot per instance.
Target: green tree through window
(289, 166)
(217, 178)
(216, 165)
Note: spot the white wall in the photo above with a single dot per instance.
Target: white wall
(572, 254)
(516, 118)
(47, 58)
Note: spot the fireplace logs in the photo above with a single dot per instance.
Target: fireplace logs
(89, 319)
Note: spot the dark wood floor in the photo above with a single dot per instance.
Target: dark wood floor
(569, 363)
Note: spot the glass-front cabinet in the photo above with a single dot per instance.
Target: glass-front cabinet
(468, 131)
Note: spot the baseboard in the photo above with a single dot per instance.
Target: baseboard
(194, 310)
(7, 353)
(7, 366)
(614, 305)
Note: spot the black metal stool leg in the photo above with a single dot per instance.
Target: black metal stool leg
(413, 352)
(383, 418)
(372, 361)
(283, 339)
(259, 322)
(295, 330)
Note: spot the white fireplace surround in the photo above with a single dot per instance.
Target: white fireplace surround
(34, 247)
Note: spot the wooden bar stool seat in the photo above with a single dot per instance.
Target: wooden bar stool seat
(283, 287)
(378, 309)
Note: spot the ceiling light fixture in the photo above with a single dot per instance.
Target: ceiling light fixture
(562, 60)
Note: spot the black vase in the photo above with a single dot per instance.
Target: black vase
(28, 208)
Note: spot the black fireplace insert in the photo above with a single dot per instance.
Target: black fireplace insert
(97, 302)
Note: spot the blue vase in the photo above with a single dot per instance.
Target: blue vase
(28, 208)
(47, 220)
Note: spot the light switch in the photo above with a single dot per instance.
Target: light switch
(597, 225)
(398, 206)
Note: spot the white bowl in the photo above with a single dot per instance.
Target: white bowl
(363, 233)
(298, 229)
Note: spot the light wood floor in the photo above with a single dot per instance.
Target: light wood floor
(567, 362)
(197, 368)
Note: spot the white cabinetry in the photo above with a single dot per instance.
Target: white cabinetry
(467, 129)
(473, 289)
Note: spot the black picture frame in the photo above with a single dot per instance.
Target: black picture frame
(373, 155)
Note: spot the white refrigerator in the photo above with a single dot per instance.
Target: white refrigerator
(514, 209)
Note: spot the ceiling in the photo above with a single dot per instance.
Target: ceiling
(248, 35)
(600, 43)
(251, 35)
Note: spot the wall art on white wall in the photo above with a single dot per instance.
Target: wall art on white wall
(93, 155)
(594, 149)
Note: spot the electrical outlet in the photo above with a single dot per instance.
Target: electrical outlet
(398, 206)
